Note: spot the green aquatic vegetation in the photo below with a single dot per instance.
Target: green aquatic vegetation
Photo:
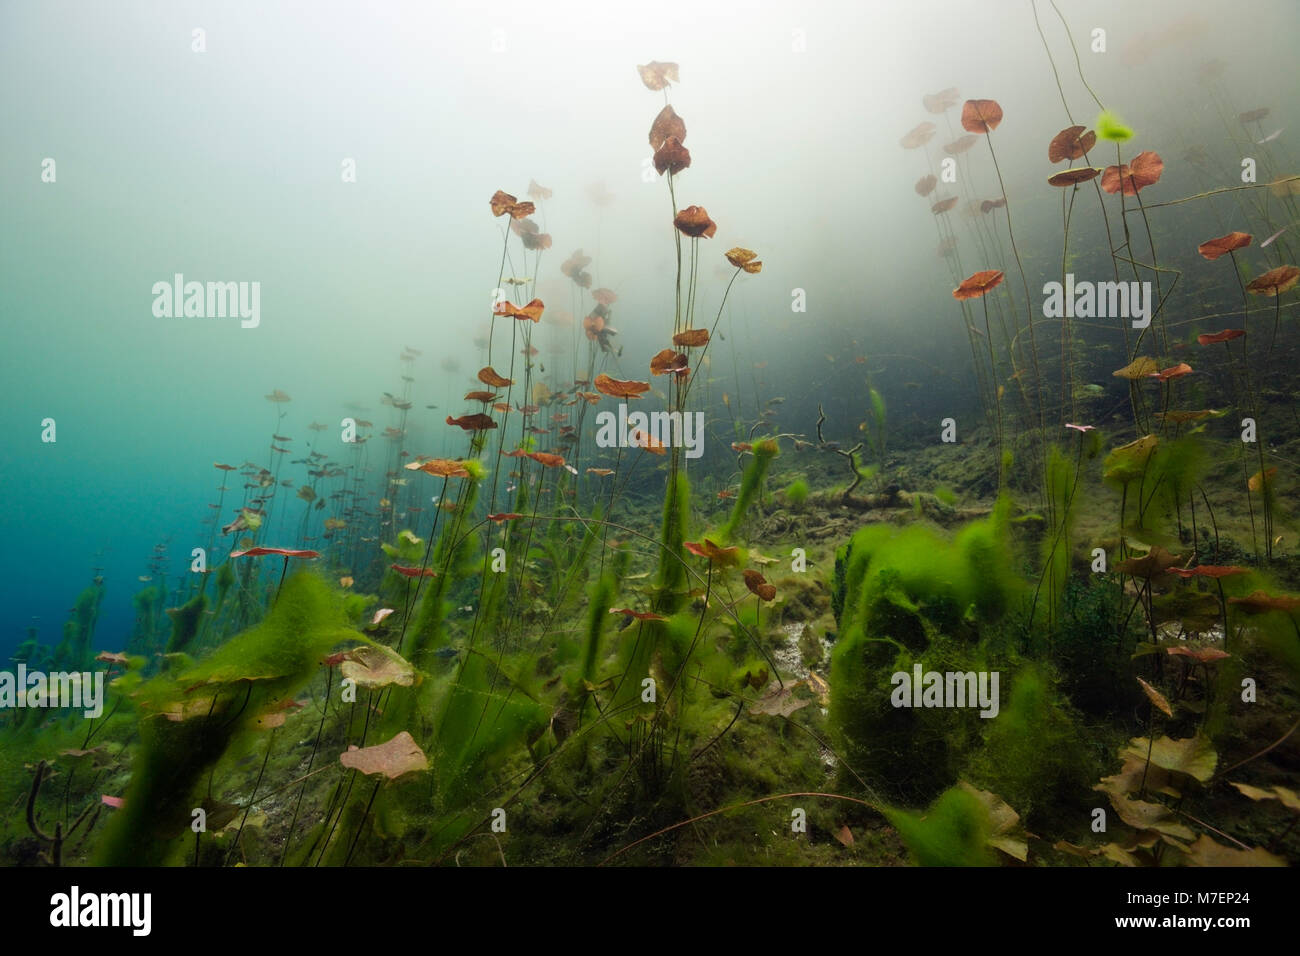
(1057, 546)
(600, 600)
(482, 716)
(876, 428)
(796, 494)
(1110, 128)
(454, 558)
(190, 718)
(671, 578)
(145, 602)
(1092, 646)
(908, 596)
(1035, 754)
(954, 831)
(765, 450)
(74, 651)
(186, 620)
(225, 579)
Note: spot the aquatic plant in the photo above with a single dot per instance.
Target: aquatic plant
(796, 493)
(188, 720)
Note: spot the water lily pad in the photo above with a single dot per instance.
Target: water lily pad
(1288, 798)
(1207, 852)
(394, 758)
(781, 701)
(1128, 462)
(1192, 756)
(1144, 815)
(377, 666)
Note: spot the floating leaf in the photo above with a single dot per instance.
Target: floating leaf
(1213, 338)
(618, 388)
(667, 125)
(918, 136)
(1274, 281)
(780, 701)
(1192, 756)
(639, 439)
(639, 615)
(1182, 417)
(738, 256)
(1070, 143)
(943, 205)
(547, 459)
(669, 362)
(980, 116)
(1145, 170)
(1203, 655)
(473, 423)
(1145, 815)
(1261, 480)
(1072, 177)
(440, 468)
(1208, 852)
(1128, 462)
(530, 312)
(672, 157)
(942, 101)
(1153, 563)
(1158, 700)
(412, 572)
(961, 144)
(705, 548)
(694, 221)
(1259, 602)
(399, 756)
(377, 666)
(503, 203)
(656, 75)
(978, 284)
(1177, 371)
(1140, 367)
(1288, 798)
(1214, 248)
(1210, 571)
(488, 376)
(283, 552)
(758, 585)
(925, 185)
